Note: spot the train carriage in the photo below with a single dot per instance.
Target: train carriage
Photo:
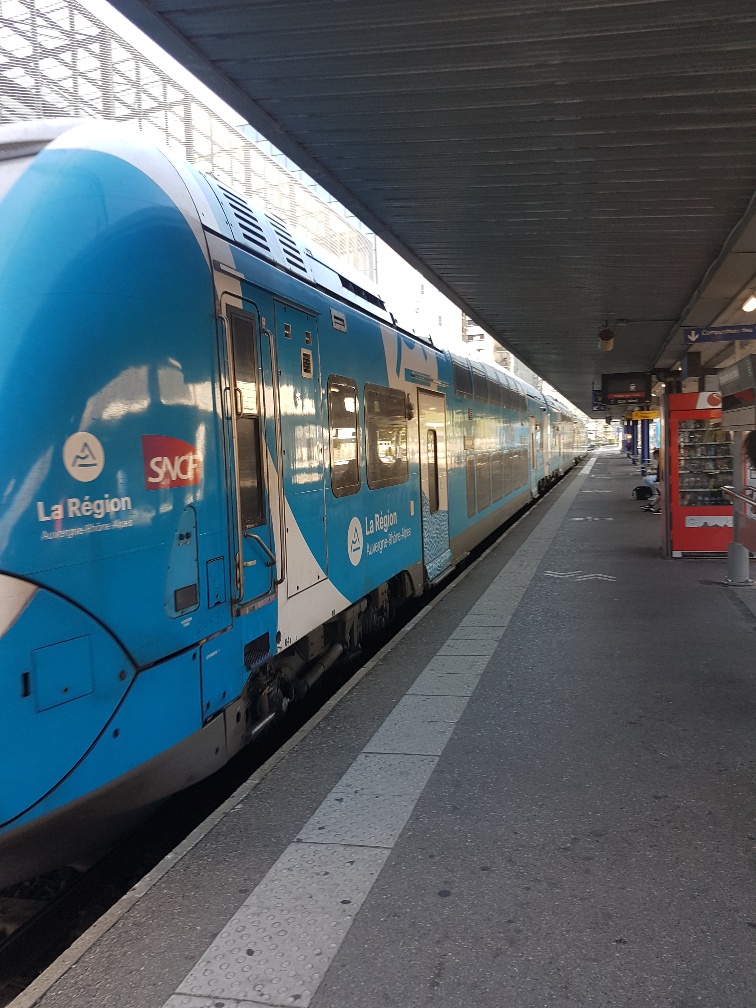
(222, 465)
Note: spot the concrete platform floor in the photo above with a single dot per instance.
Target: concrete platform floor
(542, 794)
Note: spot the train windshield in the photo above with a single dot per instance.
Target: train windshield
(20, 142)
(11, 171)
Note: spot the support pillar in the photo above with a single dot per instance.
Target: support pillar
(645, 442)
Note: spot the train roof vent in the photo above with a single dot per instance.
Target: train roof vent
(361, 292)
(249, 226)
(289, 247)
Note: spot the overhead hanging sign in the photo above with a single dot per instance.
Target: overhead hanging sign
(649, 414)
(737, 383)
(719, 334)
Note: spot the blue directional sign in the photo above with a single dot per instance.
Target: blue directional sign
(719, 334)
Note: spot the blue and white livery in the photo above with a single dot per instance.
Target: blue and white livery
(221, 466)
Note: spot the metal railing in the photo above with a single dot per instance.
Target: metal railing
(59, 59)
(747, 497)
(744, 534)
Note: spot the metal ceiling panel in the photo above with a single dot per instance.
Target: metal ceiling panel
(550, 165)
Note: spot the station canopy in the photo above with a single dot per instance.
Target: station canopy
(555, 167)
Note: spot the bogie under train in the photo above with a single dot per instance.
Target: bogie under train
(221, 466)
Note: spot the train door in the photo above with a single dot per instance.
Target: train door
(256, 563)
(536, 456)
(547, 447)
(301, 405)
(433, 482)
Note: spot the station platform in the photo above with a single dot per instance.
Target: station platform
(542, 793)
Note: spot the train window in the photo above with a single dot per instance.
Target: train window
(248, 456)
(462, 378)
(483, 480)
(494, 388)
(343, 418)
(432, 458)
(506, 392)
(497, 475)
(470, 474)
(12, 170)
(386, 436)
(508, 472)
(520, 467)
(480, 383)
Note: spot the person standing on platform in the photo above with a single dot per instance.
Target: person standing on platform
(653, 482)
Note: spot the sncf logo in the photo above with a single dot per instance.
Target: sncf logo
(169, 462)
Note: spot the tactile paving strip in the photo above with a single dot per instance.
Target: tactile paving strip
(185, 1001)
(420, 725)
(372, 802)
(483, 631)
(468, 648)
(448, 676)
(275, 949)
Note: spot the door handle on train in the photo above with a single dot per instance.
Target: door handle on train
(251, 535)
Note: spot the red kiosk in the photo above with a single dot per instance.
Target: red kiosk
(697, 463)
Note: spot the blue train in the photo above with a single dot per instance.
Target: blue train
(221, 466)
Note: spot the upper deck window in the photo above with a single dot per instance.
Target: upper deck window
(480, 383)
(462, 377)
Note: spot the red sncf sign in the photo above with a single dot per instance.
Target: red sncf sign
(170, 462)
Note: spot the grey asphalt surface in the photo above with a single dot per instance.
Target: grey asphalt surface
(588, 836)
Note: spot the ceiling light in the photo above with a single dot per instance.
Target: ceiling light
(750, 304)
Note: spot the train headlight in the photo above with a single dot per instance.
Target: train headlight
(15, 595)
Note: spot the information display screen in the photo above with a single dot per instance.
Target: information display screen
(626, 388)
